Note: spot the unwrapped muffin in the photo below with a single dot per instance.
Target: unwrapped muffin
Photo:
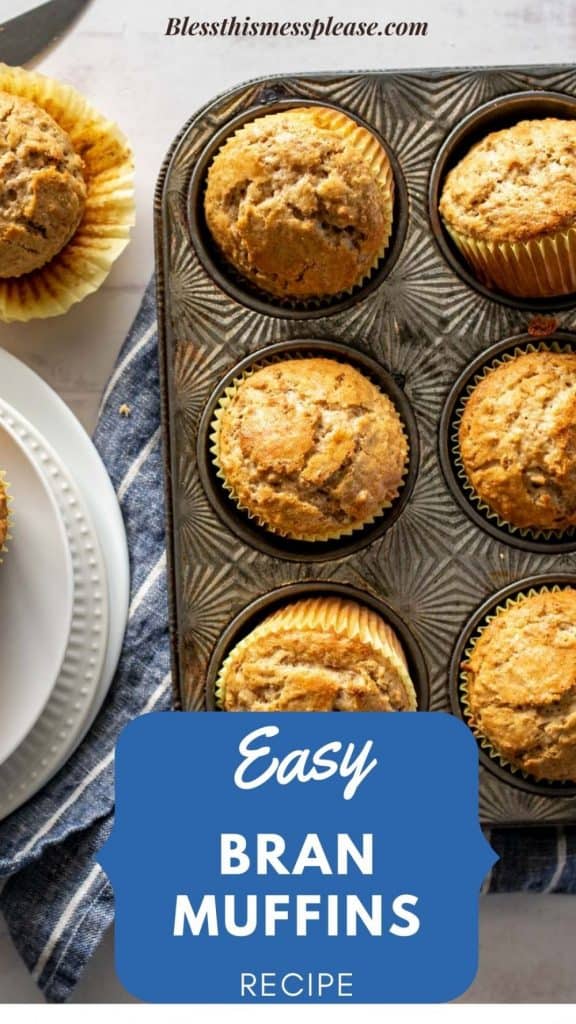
(510, 207)
(318, 654)
(517, 440)
(42, 188)
(310, 448)
(300, 202)
(4, 513)
(66, 196)
(521, 684)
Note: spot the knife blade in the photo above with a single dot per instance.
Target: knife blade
(24, 37)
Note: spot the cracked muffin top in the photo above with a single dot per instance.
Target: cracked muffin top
(300, 202)
(522, 684)
(318, 654)
(516, 184)
(42, 190)
(517, 440)
(310, 447)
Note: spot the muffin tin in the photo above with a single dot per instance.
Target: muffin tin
(423, 320)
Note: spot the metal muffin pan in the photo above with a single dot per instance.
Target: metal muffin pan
(424, 322)
(263, 606)
(246, 528)
(242, 290)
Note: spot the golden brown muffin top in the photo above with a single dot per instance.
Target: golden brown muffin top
(522, 684)
(296, 206)
(518, 440)
(319, 654)
(516, 184)
(42, 190)
(311, 448)
(3, 514)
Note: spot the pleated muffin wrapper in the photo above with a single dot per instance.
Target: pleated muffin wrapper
(83, 264)
(224, 403)
(485, 743)
(334, 615)
(527, 533)
(536, 269)
(373, 155)
(6, 514)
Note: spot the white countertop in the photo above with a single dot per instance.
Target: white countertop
(118, 56)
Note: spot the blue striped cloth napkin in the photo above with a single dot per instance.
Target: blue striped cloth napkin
(57, 901)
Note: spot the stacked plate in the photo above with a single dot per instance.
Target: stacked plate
(64, 585)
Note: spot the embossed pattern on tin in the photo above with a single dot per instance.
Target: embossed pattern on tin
(423, 323)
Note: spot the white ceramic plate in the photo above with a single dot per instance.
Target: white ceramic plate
(72, 697)
(35, 588)
(42, 406)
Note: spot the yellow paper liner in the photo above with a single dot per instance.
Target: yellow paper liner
(483, 740)
(528, 533)
(373, 155)
(335, 615)
(6, 513)
(224, 402)
(81, 267)
(536, 269)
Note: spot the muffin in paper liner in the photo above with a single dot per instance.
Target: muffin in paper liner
(84, 262)
(342, 532)
(527, 533)
(536, 269)
(6, 515)
(372, 154)
(464, 696)
(325, 617)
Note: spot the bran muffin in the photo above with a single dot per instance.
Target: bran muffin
(42, 188)
(510, 207)
(318, 654)
(300, 202)
(4, 514)
(517, 440)
(66, 196)
(310, 447)
(521, 683)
